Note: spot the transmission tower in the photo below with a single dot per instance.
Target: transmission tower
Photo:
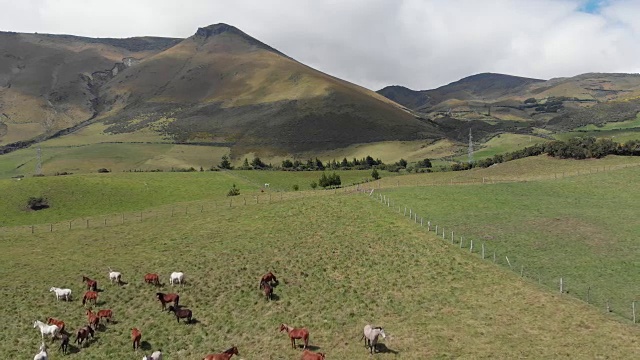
(470, 151)
(38, 162)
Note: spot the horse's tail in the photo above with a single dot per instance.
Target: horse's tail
(84, 299)
(177, 301)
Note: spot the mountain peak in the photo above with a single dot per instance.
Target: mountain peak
(217, 29)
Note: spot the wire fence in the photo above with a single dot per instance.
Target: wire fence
(625, 308)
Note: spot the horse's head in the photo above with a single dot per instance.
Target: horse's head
(381, 332)
(171, 309)
(52, 289)
(284, 327)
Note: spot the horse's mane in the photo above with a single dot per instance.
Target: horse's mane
(377, 328)
(229, 350)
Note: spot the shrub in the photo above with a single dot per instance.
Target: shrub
(103, 170)
(234, 191)
(314, 185)
(296, 187)
(37, 203)
(224, 163)
(375, 175)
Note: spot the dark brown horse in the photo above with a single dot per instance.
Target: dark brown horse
(226, 355)
(308, 355)
(267, 289)
(136, 335)
(91, 284)
(92, 318)
(181, 314)
(268, 278)
(296, 333)
(90, 296)
(64, 344)
(152, 279)
(83, 334)
(167, 298)
(54, 321)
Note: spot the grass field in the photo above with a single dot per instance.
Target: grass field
(581, 228)
(342, 262)
(501, 144)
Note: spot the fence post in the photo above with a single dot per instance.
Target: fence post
(508, 262)
(494, 257)
(442, 233)
(70, 225)
(633, 311)
(171, 212)
(421, 221)
(50, 227)
(561, 286)
(461, 240)
(471, 246)
(429, 225)
(140, 216)
(202, 207)
(452, 236)
(409, 213)
(482, 251)
(436, 229)
(608, 306)
(405, 211)
(588, 295)
(32, 229)
(521, 270)
(415, 218)
(87, 223)
(105, 221)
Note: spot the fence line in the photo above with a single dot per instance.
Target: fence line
(626, 309)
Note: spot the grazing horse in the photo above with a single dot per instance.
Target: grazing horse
(226, 355)
(64, 344)
(136, 335)
(58, 323)
(181, 314)
(61, 293)
(90, 296)
(268, 278)
(296, 333)
(45, 329)
(176, 278)
(83, 334)
(267, 289)
(308, 355)
(93, 319)
(152, 279)
(115, 276)
(370, 335)
(157, 355)
(91, 284)
(167, 298)
(42, 355)
(105, 314)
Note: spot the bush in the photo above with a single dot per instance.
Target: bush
(37, 203)
(314, 185)
(296, 187)
(103, 170)
(234, 191)
(375, 175)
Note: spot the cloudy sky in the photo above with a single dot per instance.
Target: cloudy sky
(420, 44)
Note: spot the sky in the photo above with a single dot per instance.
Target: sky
(420, 44)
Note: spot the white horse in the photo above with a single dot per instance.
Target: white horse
(176, 277)
(157, 355)
(370, 335)
(115, 276)
(61, 293)
(45, 329)
(42, 355)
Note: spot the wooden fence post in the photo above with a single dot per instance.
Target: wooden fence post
(608, 306)
(105, 222)
(436, 229)
(442, 233)
(471, 246)
(589, 295)
(633, 311)
(561, 286)
(87, 223)
(494, 257)
(70, 225)
(50, 227)
(32, 229)
(461, 240)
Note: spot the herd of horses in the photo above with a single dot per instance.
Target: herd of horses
(56, 328)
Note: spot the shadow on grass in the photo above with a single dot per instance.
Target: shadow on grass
(275, 297)
(383, 349)
(72, 349)
(310, 347)
(145, 346)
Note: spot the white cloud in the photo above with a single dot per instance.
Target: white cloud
(417, 43)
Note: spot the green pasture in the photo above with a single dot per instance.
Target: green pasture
(342, 261)
(581, 228)
(503, 143)
(285, 180)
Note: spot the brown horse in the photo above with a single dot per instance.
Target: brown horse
(268, 278)
(152, 279)
(136, 335)
(54, 321)
(92, 318)
(308, 355)
(226, 355)
(83, 334)
(296, 333)
(167, 298)
(105, 314)
(90, 296)
(91, 284)
(181, 314)
(267, 289)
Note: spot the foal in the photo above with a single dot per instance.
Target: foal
(226, 355)
(268, 278)
(296, 333)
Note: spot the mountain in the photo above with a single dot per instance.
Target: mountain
(219, 86)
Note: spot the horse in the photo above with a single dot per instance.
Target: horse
(226, 355)
(157, 355)
(115, 276)
(176, 277)
(45, 329)
(91, 284)
(268, 278)
(296, 333)
(93, 319)
(181, 314)
(64, 344)
(267, 289)
(152, 279)
(167, 298)
(42, 354)
(136, 335)
(61, 293)
(90, 296)
(58, 323)
(308, 355)
(83, 334)
(370, 335)
(105, 314)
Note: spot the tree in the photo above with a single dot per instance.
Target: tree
(402, 163)
(245, 164)
(426, 163)
(287, 164)
(225, 164)
(257, 163)
(234, 191)
(375, 175)
(314, 185)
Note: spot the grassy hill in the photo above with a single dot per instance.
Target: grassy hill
(332, 258)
